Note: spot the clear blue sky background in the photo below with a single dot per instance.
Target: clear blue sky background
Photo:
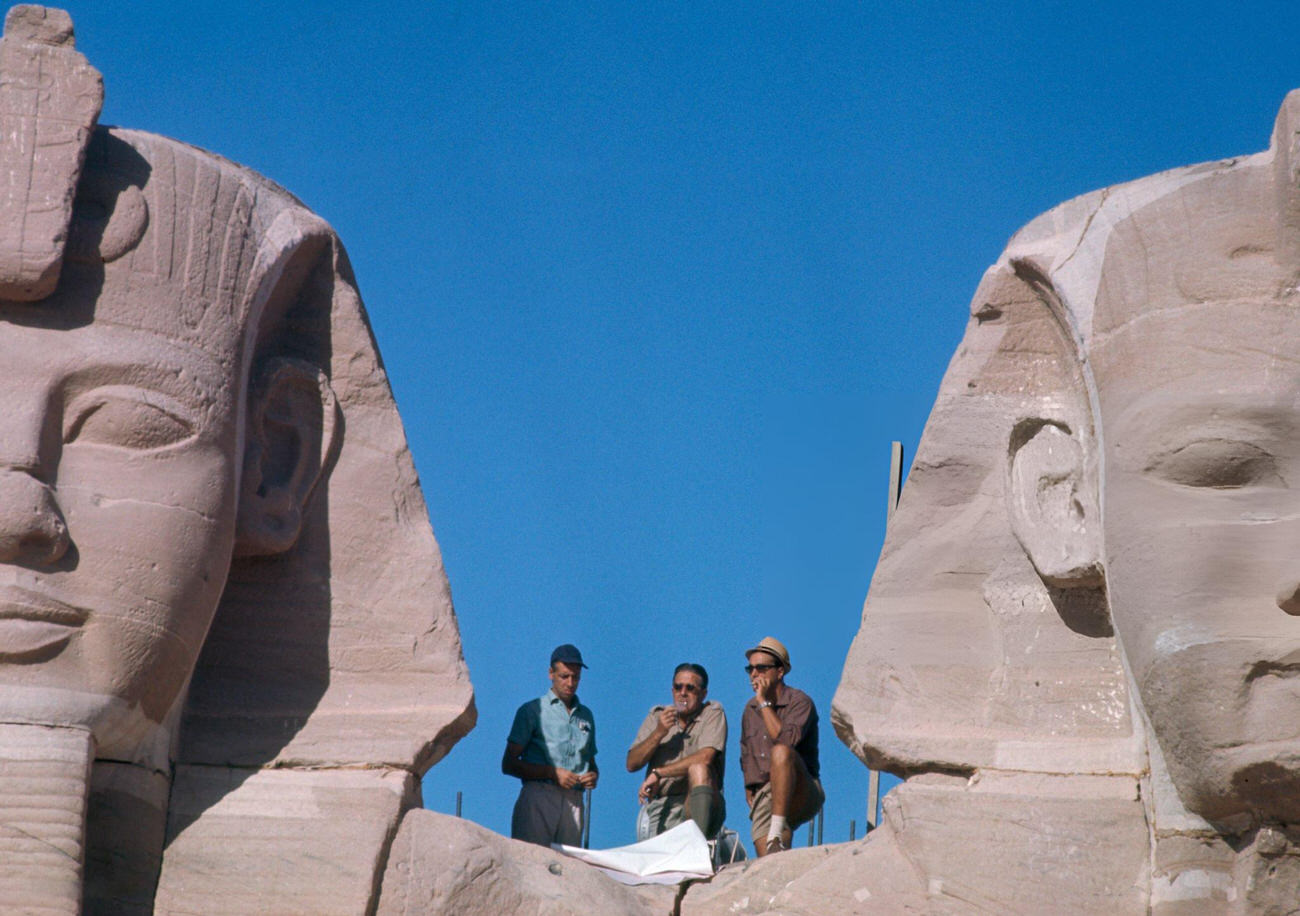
(657, 283)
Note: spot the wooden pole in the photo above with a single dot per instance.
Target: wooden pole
(895, 491)
(895, 478)
(873, 799)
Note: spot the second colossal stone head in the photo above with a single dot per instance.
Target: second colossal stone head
(1107, 496)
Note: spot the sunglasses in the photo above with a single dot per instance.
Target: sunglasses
(750, 669)
(689, 688)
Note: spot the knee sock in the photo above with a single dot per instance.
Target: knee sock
(778, 826)
(700, 801)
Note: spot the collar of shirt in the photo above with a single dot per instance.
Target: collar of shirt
(551, 698)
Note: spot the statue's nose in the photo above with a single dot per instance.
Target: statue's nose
(32, 530)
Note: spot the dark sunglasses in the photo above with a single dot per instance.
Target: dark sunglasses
(689, 688)
(750, 669)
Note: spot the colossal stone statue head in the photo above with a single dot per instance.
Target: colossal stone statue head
(150, 435)
(1093, 570)
(210, 525)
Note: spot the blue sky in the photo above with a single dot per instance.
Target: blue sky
(657, 284)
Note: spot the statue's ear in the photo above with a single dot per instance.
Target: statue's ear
(1051, 493)
(292, 418)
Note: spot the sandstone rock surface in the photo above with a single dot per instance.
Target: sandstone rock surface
(442, 864)
(1076, 840)
(226, 821)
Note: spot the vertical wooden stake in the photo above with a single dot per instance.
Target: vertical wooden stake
(895, 491)
(895, 479)
(873, 799)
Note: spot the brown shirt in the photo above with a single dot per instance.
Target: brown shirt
(798, 718)
(707, 729)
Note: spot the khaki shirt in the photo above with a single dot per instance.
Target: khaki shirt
(707, 729)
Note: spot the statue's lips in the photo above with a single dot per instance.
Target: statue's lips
(31, 623)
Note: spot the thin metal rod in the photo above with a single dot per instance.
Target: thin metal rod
(853, 830)
(821, 824)
(586, 820)
(458, 797)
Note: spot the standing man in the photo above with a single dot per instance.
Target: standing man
(552, 748)
(683, 748)
(778, 751)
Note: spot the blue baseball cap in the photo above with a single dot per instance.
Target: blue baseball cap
(569, 654)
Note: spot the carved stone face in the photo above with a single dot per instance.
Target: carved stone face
(1201, 418)
(1202, 528)
(117, 506)
(120, 398)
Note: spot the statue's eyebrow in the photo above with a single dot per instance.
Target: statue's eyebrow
(194, 380)
(1151, 418)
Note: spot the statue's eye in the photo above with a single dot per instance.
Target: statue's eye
(127, 417)
(1221, 464)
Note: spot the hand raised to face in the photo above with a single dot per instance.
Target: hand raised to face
(667, 718)
(765, 676)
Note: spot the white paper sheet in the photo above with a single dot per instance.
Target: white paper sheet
(671, 857)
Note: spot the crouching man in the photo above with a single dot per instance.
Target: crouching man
(683, 748)
(778, 751)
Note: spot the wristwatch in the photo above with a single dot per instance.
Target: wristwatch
(765, 705)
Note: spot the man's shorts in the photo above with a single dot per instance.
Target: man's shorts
(545, 814)
(760, 810)
(667, 811)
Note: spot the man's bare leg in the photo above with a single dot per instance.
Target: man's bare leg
(791, 785)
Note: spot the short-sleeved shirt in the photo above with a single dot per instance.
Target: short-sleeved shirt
(554, 735)
(798, 718)
(707, 729)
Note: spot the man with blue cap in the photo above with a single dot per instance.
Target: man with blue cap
(552, 749)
